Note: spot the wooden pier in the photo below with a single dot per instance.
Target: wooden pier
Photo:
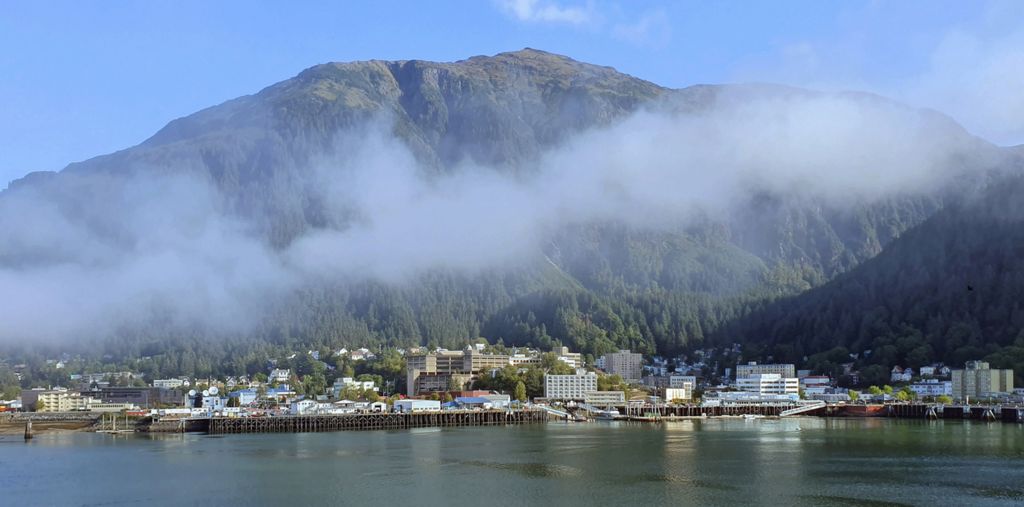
(979, 413)
(714, 411)
(375, 421)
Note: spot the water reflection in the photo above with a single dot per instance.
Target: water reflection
(696, 462)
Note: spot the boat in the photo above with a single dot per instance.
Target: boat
(753, 416)
(606, 415)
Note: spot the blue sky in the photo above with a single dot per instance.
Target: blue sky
(83, 78)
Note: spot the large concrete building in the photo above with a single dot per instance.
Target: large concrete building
(448, 370)
(977, 380)
(145, 397)
(752, 368)
(768, 383)
(569, 387)
(626, 364)
(453, 370)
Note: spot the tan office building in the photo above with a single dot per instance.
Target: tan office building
(977, 380)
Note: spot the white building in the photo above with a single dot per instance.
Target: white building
(498, 400)
(815, 385)
(349, 383)
(413, 405)
(626, 364)
(741, 397)
(304, 407)
(932, 387)
(280, 375)
(569, 387)
(678, 393)
(169, 383)
(901, 375)
(768, 384)
(752, 368)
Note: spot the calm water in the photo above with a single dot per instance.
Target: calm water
(791, 462)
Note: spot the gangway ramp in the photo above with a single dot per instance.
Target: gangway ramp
(803, 408)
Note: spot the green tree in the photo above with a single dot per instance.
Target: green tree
(943, 399)
(453, 384)
(854, 395)
(875, 391)
(520, 392)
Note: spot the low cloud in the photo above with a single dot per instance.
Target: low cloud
(87, 254)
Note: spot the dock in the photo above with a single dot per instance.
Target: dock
(372, 421)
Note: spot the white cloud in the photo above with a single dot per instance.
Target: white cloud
(651, 29)
(92, 253)
(978, 78)
(548, 11)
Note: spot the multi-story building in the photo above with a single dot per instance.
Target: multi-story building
(146, 397)
(604, 398)
(170, 383)
(573, 359)
(752, 368)
(978, 380)
(678, 393)
(474, 361)
(768, 383)
(448, 369)
(569, 387)
(932, 387)
(814, 385)
(626, 364)
(62, 401)
(682, 381)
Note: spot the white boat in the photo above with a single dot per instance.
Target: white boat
(606, 415)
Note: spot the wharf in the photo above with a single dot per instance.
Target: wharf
(1010, 414)
(372, 421)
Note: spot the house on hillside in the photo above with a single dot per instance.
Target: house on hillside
(900, 374)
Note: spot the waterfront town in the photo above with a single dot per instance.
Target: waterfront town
(560, 382)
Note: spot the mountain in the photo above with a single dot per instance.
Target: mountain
(659, 280)
(949, 289)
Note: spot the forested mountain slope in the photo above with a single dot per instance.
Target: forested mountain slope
(121, 228)
(950, 289)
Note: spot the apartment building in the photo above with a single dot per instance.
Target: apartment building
(626, 364)
(978, 380)
(569, 387)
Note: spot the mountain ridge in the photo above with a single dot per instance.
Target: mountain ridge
(653, 289)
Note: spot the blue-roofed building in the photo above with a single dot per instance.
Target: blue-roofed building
(281, 391)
